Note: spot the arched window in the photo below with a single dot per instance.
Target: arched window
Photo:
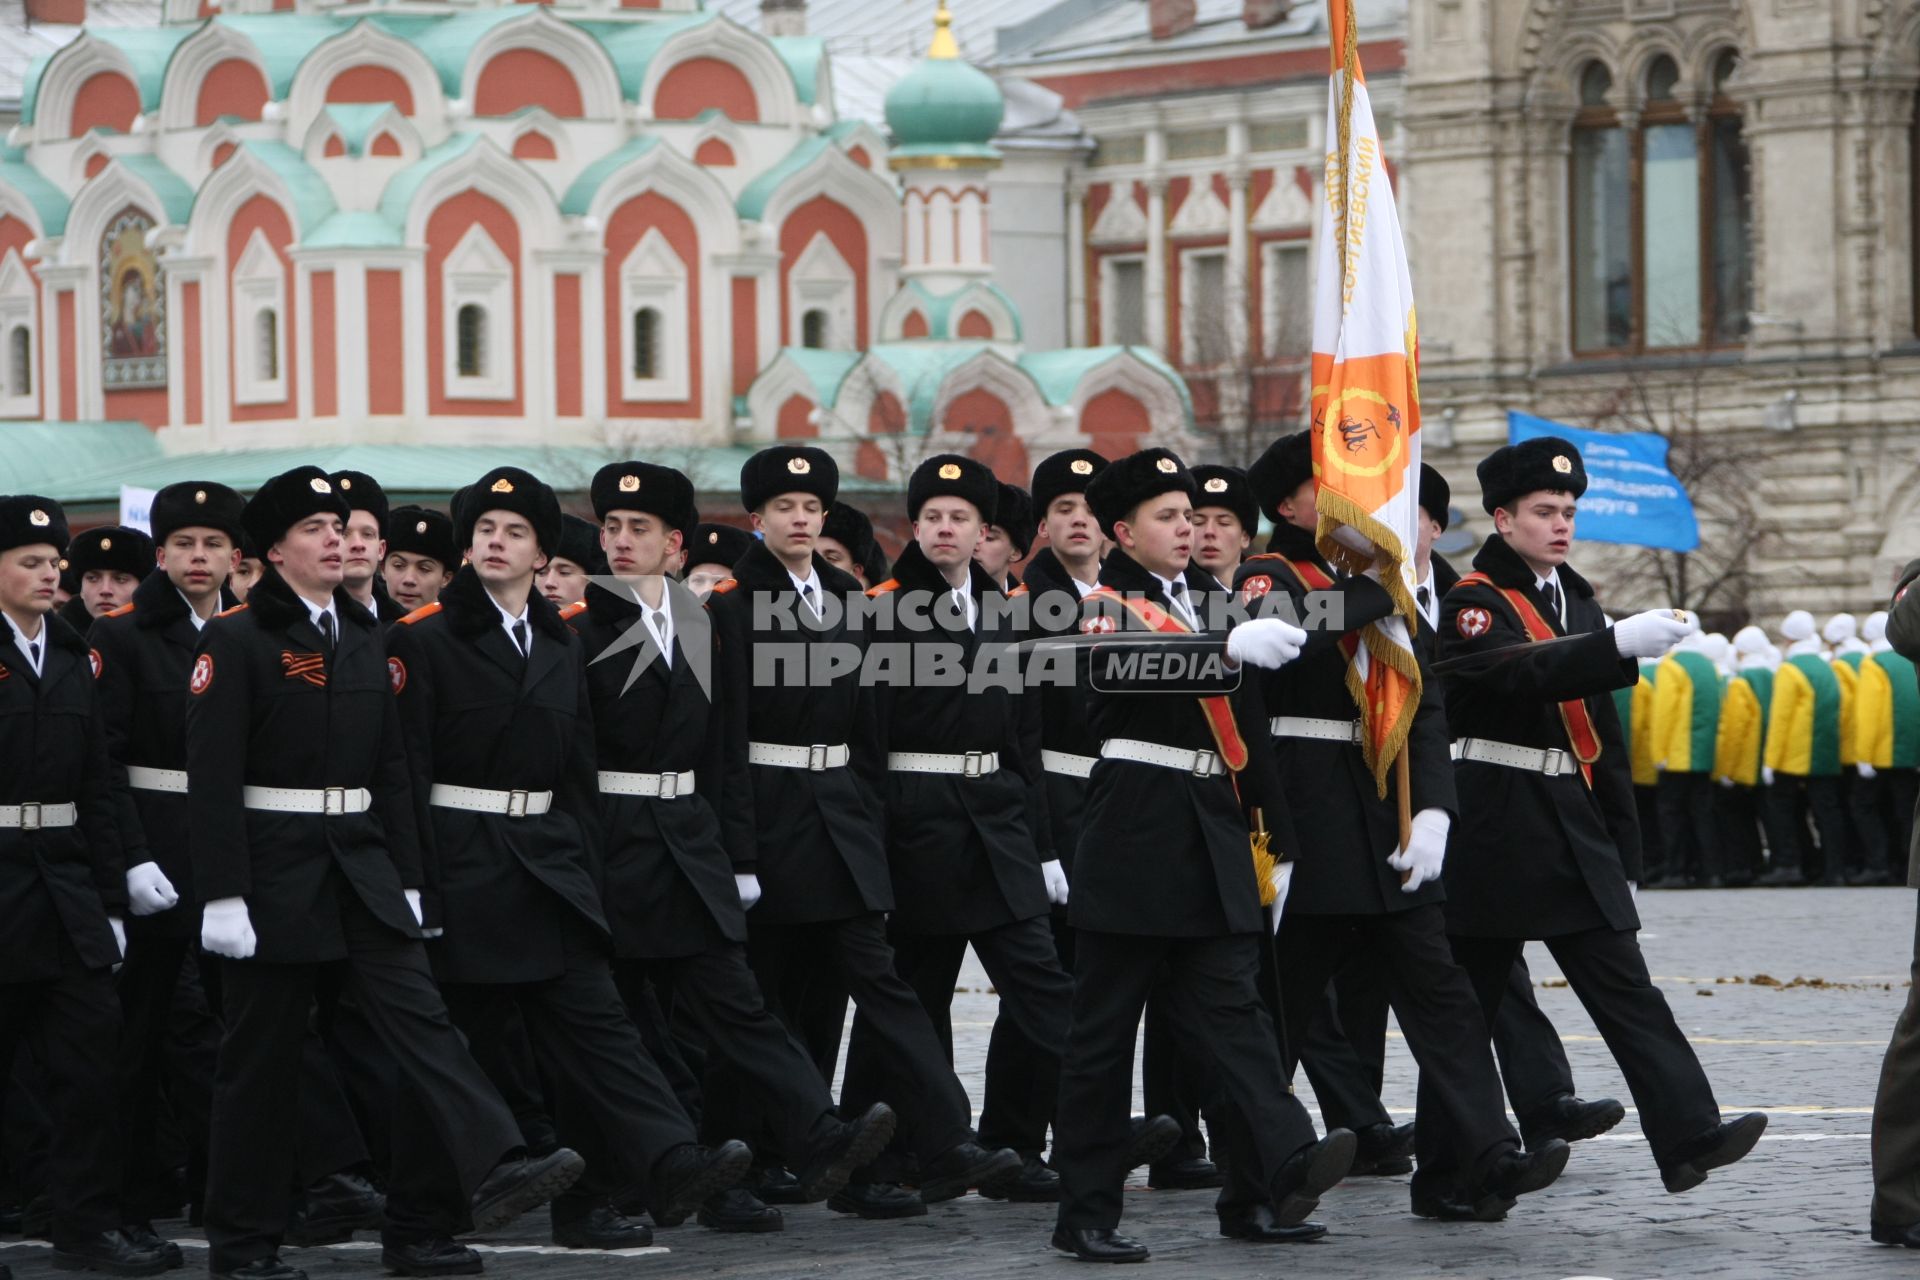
(20, 362)
(1661, 249)
(646, 343)
(813, 329)
(266, 344)
(472, 341)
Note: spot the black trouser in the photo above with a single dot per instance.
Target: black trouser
(1533, 1062)
(1686, 821)
(610, 1102)
(1737, 812)
(1343, 1079)
(1173, 1080)
(1460, 1103)
(750, 1055)
(26, 1132)
(912, 1069)
(1214, 1000)
(160, 1043)
(70, 1025)
(1903, 787)
(449, 1132)
(1653, 841)
(1867, 804)
(1824, 798)
(1020, 1121)
(1034, 990)
(1608, 973)
(646, 988)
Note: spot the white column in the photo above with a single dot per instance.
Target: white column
(1076, 265)
(1156, 182)
(1239, 269)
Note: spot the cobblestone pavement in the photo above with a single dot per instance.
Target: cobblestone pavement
(1806, 1051)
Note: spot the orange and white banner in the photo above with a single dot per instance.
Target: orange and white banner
(1366, 398)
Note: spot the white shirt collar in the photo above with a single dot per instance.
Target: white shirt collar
(1183, 606)
(1084, 588)
(316, 611)
(193, 614)
(1431, 609)
(508, 622)
(801, 585)
(37, 656)
(1552, 578)
(663, 633)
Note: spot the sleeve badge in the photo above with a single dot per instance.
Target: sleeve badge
(1474, 623)
(1255, 587)
(396, 674)
(202, 678)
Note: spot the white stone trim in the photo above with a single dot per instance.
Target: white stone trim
(777, 383)
(259, 290)
(364, 44)
(1130, 375)
(1193, 307)
(991, 371)
(823, 280)
(1201, 213)
(1109, 295)
(478, 273)
(1121, 221)
(314, 144)
(19, 307)
(858, 391)
(69, 69)
(583, 56)
(1285, 207)
(654, 276)
(747, 51)
(1270, 304)
(192, 60)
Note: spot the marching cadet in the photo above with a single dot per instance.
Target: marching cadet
(106, 564)
(1802, 758)
(494, 697)
(1007, 539)
(846, 542)
(1166, 887)
(678, 880)
(1358, 892)
(365, 549)
(1890, 732)
(963, 777)
(144, 654)
(420, 556)
(1736, 762)
(1546, 846)
(306, 857)
(802, 732)
(714, 550)
(1226, 515)
(64, 890)
(564, 580)
(1686, 728)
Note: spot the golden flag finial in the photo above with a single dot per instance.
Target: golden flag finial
(944, 45)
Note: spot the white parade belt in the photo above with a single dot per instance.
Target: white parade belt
(512, 804)
(37, 817)
(965, 764)
(1348, 731)
(325, 801)
(1200, 763)
(1068, 763)
(816, 758)
(662, 786)
(142, 778)
(1554, 762)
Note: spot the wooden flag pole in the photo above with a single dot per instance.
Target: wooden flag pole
(1402, 775)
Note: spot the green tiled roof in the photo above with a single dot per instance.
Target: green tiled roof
(355, 121)
(413, 470)
(922, 367)
(633, 44)
(175, 196)
(1059, 373)
(938, 307)
(312, 197)
(825, 369)
(449, 41)
(149, 49)
(47, 200)
(283, 41)
(804, 56)
(354, 230)
(579, 197)
(399, 193)
(756, 194)
(38, 457)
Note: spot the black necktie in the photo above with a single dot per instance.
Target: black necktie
(33, 655)
(521, 640)
(1184, 606)
(806, 594)
(1553, 600)
(326, 633)
(657, 619)
(1426, 597)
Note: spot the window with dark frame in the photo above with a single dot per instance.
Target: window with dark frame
(471, 349)
(646, 343)
(266, 345)
(813, 329)
(1660, 218)
(20, 362)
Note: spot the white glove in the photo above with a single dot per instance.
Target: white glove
(149, 892)
(1426, 849)
(1282, 881)
(1866, 770)
(413, 905)
(1633, 892)
(1650, 634)
(749, 887)
(1265, 642)
(226, 930)
(1056, 880)
(1766, 774)
(119, 928)
(1726, 782)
